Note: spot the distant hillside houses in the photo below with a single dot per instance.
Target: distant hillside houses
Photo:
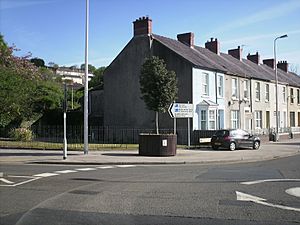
(227, 91)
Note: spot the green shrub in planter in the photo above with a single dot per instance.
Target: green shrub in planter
(21, 134)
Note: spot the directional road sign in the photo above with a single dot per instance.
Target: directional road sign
(181, 110)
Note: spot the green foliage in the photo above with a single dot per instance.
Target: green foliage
(25, 90)
(158, 85)
(15, 97)
(38, 62)
(21, 134)
(92, 69)
(97, 79)
(48, 95)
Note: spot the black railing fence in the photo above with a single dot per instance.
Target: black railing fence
(115, 135)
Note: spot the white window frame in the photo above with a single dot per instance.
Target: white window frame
(284, 94)
(292, 95)
(220, 84)
(203, 119)
(205, 84)
(246, 89)
(257, 91)
(234, 88)
(267, 86)
(258, 119)
(234, 119)
(211, 119)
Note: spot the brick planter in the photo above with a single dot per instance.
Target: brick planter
(157, 144)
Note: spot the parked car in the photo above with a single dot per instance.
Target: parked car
(233, 139)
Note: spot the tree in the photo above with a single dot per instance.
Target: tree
(92, 69)
(158, 86)
(97, 79)
(15, 97)
(38, 62)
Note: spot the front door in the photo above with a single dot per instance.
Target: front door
(268, 119)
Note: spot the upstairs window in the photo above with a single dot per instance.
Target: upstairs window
(246, 89)
(283, 94)
(267, 92)
(205, 82)
(220, 86)
(292, 95)
(234, 87)
(298, 96)
(257, 91)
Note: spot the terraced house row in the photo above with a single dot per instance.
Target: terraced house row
(227, 91)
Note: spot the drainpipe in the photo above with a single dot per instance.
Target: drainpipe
(216, 91)
(251, 104)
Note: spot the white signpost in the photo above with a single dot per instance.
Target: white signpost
(182, 110)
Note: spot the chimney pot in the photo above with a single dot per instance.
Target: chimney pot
(254, 58)
(142, 26)
(283, 65)
(236, 53)
(269, 63)
(213, 46)
(186, 38)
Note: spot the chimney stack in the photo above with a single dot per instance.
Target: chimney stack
(283, 65)
(142, 26)
(254, 58)
(236, 53)
(213, 46)
(269, 63)
(186, 38)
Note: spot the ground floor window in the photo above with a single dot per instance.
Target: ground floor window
(212, 120)
(234, 119)
(258, 119)
(292, 119)
(203, 119)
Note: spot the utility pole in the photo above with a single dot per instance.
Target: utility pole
(86, 84)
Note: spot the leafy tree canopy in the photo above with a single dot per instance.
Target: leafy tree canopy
(97, 79)
(158, 86)
(38, 62)
(92, 69)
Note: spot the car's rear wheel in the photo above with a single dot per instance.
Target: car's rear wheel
(215, 147)
(256, 145)
(232, 146)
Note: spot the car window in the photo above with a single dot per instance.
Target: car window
(222, 133)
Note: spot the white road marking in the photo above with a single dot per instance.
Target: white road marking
(125, 166)
(294, 191)
(24, 182)
(251, 198)
(45, 175)
(106, 167)
(86, 169)
(6, 181)
(268, 180)
(66, 171)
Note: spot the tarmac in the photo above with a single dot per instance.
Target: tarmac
(203, 155)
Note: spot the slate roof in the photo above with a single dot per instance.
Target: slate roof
(205, 59)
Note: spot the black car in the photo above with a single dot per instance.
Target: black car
(233, 139)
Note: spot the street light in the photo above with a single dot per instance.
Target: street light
(276, 86)
(86, 84)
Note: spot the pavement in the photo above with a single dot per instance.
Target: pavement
(267, 151)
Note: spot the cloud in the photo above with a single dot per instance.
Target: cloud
(9, 4)
(249, 39)
(266, 14)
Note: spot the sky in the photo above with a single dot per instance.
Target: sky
(54, 30)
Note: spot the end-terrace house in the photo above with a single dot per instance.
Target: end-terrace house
(227, 91)
(200, 81)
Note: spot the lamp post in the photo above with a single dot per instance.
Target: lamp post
(86, 83)
(276, 87)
